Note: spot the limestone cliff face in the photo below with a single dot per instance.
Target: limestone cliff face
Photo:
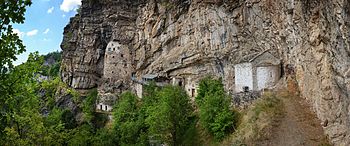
(193, 38)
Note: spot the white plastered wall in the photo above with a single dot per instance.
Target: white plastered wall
(267, 76)
(243, 76)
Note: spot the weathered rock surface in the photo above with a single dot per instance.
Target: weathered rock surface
(194, 38)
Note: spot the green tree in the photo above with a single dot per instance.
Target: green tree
(214, 108)
(150, 97)
(128, 122)
(89, 105)
(56, 133)
(10, 44)
(48, 89)
(20, 107)
(81, 136)
(104, 137)
(169, 119)
(52, 70)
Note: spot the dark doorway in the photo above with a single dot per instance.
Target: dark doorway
(100, 107)
(106, 107)
(193, 92)
(180, 83)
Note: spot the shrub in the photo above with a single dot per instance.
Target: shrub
(128, 122)
(89, 105)
(169, 119)
(214, 108)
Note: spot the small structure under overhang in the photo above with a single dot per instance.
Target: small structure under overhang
(261, 72)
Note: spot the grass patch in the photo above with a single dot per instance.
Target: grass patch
(256, 120)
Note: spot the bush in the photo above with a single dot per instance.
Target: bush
(88, 105)
(214, 108)
(53, 69)
(128, 122)
(169, 119)
(103, 137)
(81, 136)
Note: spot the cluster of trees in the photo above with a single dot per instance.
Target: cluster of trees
(167, 115)
(24, 95)
(162, 116)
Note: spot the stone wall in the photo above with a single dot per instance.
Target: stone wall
(244, 99)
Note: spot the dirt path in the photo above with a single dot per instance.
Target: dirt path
(298, 127)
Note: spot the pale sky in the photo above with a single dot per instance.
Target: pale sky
(42, 30)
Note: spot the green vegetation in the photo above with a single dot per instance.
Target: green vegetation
(168, 4)
(256, 120)
(19, 104)
(13, 114)
(89, 105)
(214, 108)
(163, 117)
(170, 117)
(10, 44)
(128, 120)
(51, 70)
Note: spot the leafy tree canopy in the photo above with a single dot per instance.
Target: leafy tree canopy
(11, 11)
(169, 119)
(214, 108)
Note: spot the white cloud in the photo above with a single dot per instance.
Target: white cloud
(32, 33)
(46, 40)
(46, 31)
(18, 32)
(69, 5)
(49, 11)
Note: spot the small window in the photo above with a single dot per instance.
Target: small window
(100, 107)
(125, 65)
(121, 55)
(113, 49)
(109, 49)
(112, 56)
(193, 92)
(106, 107)
(112, 72)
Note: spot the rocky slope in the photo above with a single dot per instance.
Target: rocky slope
(194, 38)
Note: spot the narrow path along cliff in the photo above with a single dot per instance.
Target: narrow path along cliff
(299, 126)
